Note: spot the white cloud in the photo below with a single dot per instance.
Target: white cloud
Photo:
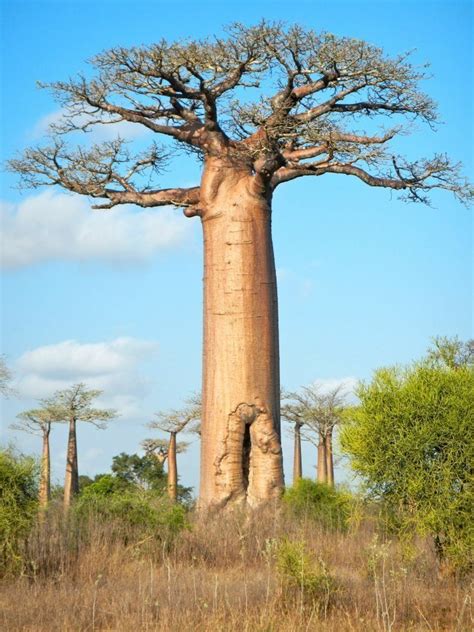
(97, 133)
(59, 226)
(108, 366)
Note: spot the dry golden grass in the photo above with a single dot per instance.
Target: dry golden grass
(222, 575)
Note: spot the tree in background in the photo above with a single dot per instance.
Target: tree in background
(317, 411)
(5, 378)
(38, 421)
(73, 405)
(173, 422)
(293, 412)
(312, 96)
(145, 472)
(18, 504)
(411, 440)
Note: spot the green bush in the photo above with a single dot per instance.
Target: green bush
(411, 441)
(18, 505)
(130, 513)
(329, 507)
(303, 576)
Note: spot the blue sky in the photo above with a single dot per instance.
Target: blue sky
(364, 279)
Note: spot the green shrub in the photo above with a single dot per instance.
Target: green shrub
(129, 513)
(302, 576)
(328, 506)
(18, 505)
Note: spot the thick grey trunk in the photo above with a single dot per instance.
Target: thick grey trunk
(71, 480)
(241, 457)
(297, 463)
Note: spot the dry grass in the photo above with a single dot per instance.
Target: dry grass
(222, 575)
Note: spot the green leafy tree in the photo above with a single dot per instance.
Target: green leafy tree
(18, 504)
(145, 472)
(412, 442)
(261, 106)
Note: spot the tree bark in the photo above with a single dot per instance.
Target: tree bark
(297, 464)
(241, 458)
(322, 462)
(44, 495)
(329, 459)
(71, 481)
(172, 469)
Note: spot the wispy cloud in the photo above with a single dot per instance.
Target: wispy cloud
(110, 366)
(58, 226)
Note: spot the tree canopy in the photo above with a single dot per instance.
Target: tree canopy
(411, 441)
(283, 101)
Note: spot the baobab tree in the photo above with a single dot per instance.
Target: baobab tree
(294, 413)
(311, 94)
(37, 421)
(73, 405)
(318, 411)
(161, 449)
(174, 422)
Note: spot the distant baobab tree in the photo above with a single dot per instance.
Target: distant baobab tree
(316, 411)
(173, 422)
(73, 405)
(293, 412)
(37, 421)
(260, 107)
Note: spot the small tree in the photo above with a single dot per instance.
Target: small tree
(411, 440)
(174, 422)
(317, 412)
(38, 421)
(73, 405)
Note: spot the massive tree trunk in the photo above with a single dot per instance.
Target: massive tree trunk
(172, 468)
(241, 459)
(322, 462)
(71, 481)
(329, 459)
(44, 495)
(297, 464)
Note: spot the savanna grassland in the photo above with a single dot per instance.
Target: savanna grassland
(283, 568)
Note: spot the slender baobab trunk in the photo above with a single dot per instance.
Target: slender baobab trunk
(297, 465)
(322, 462)
(71, 481)
(329, 459)
(44, 495)
(172, 468)
(241, 457)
